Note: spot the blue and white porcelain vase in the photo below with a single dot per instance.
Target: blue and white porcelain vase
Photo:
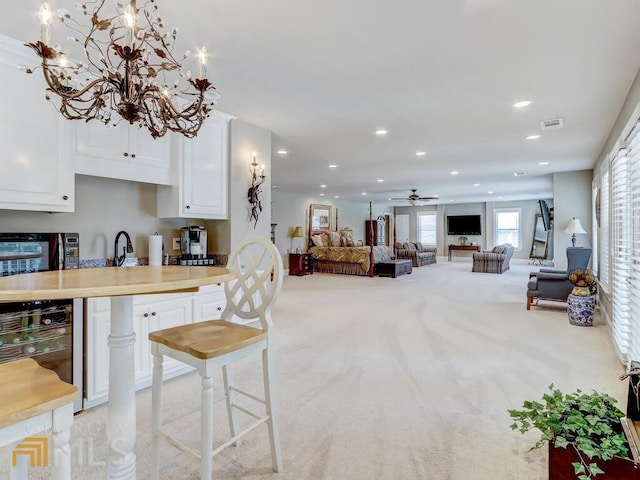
(581, 310)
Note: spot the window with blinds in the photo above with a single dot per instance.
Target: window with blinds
(620, 249)
(604, 273)
(633, 267)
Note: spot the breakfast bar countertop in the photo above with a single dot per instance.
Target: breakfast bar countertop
(121, 284)
(108, 282)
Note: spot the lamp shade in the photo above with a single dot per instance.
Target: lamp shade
(574, 226)
(297, 232)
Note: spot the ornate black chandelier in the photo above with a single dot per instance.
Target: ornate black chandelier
(128, 64)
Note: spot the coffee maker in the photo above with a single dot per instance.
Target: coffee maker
(194, 245)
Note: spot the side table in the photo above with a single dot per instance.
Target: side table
(300, 264)
(581, 310)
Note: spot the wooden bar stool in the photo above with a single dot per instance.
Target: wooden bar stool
(34, 399)
(257, 265)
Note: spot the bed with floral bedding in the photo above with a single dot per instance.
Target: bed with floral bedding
(334, 252)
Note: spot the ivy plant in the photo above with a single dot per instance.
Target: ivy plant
(588, 422)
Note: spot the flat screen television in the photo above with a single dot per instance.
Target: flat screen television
(464, 225)
(545, 214)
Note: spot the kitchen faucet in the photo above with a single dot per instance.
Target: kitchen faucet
(119, 260)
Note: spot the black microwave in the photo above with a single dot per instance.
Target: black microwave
(38, 252)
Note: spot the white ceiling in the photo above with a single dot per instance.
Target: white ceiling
(439, 75)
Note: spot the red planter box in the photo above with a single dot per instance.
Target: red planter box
(561, 468)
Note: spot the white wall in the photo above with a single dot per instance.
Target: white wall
(571, 198)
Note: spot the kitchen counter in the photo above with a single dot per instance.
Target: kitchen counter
(108, 282)
(121, 284)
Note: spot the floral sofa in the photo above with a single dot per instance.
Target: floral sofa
(416, 252)
(495, 261)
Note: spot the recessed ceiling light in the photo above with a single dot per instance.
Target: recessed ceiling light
(522, 104)
(282, 152)
(455, 172)
(519, 174)
(381, 131)
(336, 196)
(333, 165)
(322, 194)
(533, 137)
(451, 200)
(476, 184)
(421, 154)
(501, 197)
(380, 180)
(323, 186)
(490, 192)
(543, 163)
(363, 193)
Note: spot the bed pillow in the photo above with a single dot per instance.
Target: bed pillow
(318, 240)
(334, 239)
(346, 237)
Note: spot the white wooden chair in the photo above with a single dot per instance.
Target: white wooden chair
(34, 399)
(210, 344)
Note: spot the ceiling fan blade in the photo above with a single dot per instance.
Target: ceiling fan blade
(429, 198)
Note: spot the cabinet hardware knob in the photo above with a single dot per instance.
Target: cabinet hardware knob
(219, 308)
(153, 313)
(146, 315)
(126, 154)
(188, 207)
(133, 155)
(65, 197)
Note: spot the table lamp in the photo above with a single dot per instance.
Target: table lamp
(296, 234)
(574, 227)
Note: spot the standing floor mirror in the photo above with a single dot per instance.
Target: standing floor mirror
(540, 242)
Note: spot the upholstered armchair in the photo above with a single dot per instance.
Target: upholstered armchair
(416, 252)
(495, 261)
(553, 285)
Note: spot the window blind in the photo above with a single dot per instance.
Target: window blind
(620, 250)
(633, 279)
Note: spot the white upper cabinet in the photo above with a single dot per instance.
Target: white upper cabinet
(37, 172)
(201, 174)
(125, 151)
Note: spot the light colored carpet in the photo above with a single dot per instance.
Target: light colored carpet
(406, 378)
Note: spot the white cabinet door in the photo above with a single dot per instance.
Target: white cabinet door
(37, 171)
(209, 303)
(125, 152)
(202, 174)
(152, 312)
(164, 311)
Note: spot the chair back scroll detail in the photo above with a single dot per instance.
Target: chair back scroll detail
(257, 264)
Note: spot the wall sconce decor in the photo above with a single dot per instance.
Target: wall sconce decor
(254, 190)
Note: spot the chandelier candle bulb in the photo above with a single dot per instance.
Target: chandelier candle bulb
(202, 55)
(129, 20)
(45, 22)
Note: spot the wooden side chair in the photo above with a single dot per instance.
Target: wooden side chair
(34, 399)
(211, 344)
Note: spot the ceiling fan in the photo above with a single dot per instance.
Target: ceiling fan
(415, 198)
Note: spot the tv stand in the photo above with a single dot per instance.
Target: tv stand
(475, 248)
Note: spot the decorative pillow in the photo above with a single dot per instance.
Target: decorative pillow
(334, 239)
(346, 237)
(318, 240)
(419, 247)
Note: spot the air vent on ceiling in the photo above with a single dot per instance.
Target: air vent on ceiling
(552, 123)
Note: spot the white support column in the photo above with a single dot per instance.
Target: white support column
(121, 427)
(60, 436)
